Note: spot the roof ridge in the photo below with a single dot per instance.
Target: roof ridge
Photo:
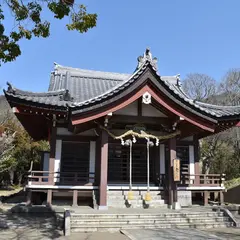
(13, 90)
(142, 67)
(57, 66)
(216, 106)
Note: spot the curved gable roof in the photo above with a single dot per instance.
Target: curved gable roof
(80, 89)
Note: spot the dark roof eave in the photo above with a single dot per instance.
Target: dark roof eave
(102, 102)
(51, 107)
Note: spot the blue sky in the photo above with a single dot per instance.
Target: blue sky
(186, 36)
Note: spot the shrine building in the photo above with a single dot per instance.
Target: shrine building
(120, 140)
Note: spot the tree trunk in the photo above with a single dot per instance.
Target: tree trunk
(20, 176)
(11, 176)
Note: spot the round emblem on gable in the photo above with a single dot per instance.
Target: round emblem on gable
(146, 98)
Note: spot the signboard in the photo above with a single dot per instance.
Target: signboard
(176, 170)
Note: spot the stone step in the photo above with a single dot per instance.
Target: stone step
(113, 193)
(147, 221)
(136, 197)
(146, 216)
(134, 201)
(112, 228)
(125, 206)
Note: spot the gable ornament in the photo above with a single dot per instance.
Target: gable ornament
(146, 98)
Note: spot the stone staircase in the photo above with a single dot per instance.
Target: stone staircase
(117, 221)
(119, 199)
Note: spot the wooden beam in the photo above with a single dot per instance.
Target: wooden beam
(163, 110)
(84, 127)
(32, 110)
(139, 119)
(139, 103)
(76, 138)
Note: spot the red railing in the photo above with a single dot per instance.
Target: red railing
(212, 180)
(60, 178)
(196, 180)
(80, 178)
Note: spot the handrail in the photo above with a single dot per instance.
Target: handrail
(47, 177)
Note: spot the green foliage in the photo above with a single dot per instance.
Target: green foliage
(82, 21)
(18, 153)
(232, 183)
(29, 23)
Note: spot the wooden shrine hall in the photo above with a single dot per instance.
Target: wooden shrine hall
(129, 140)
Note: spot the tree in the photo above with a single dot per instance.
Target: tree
(219, 153)
(199, 86)
(230, 87)
(17, 151)
(29, 22)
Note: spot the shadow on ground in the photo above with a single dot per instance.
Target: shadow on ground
(30, 222)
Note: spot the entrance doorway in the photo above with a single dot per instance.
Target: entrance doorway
(118, 163)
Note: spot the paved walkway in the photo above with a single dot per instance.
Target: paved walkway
(184, 234)
(89, 210)
(29, 227)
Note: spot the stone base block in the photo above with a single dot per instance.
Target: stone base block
(102, 207)
(184, 198)
(176, 206)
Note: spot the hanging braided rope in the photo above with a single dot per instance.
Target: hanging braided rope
(140, 135)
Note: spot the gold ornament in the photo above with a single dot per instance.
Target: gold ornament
(148, 197)
(130, 195)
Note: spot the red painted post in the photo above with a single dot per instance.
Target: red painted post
(196, 159)
(75, 198)
(206, 195)
(52, 155)
(103, 171)
(172, 191)
(49, 197)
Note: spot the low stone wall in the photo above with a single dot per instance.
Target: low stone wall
(232, 195)
(185, 198)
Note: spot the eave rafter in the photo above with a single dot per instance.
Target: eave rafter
(162, 101)
(27, 110)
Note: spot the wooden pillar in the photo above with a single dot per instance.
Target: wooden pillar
(206, 195)
(29, 197)
(172, 191)
(196, 157)
(97, 163)
(221, 197)
(103, 171)
(75, 198)
(52, 155)
(49, 197)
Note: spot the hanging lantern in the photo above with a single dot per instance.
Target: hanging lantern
(134, 139)
(122, 141)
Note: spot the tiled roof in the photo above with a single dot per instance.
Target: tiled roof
(78, 88)
(84, 84)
